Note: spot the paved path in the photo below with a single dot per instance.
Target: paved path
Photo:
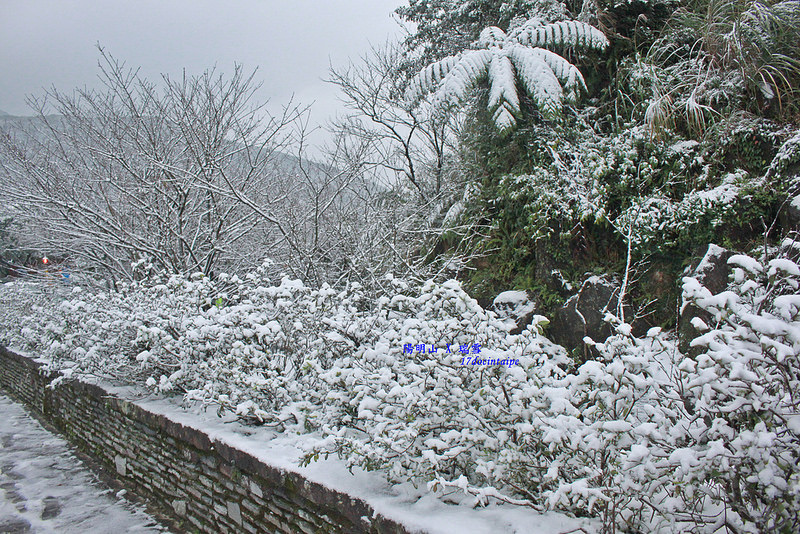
(44, 488)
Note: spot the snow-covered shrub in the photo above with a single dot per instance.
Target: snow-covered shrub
(659, 221)
(667, 443)
(742, 394)
(595, 426)
(260, 355)
(787, 159)
(538, 433)
(415, 402)
(655, 441)
(596, 179)
(25, 307)
(242, 344)
(425, 384)
(664, 443)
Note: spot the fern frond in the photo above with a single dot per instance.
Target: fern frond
(471, 67)
(563, 33)
(547, 77)
(566, 72)
(492, 36)
(503, 118)
(503, 97)
(428, 78)
(538, 79)
(503, 83)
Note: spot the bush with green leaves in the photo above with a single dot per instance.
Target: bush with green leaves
(718, 57)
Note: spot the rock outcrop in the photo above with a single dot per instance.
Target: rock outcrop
(712, 271)
(583, 314)
(516, 307)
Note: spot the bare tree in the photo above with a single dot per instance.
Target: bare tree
(181, 174)
(406, 139)
(190, 175)
(410, 181)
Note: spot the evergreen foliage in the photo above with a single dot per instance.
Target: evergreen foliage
(672, 150)
(715, 58)
(443, 27)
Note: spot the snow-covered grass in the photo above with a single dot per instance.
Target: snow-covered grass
(639, 436)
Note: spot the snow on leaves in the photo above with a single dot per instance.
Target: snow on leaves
(503, 96)
(563, 33)
(640, 435)
(547, 77)
(742, 392)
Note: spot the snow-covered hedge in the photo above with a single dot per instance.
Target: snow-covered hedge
(742, 421)
(243, 344)
(438, 416)
(426, 385)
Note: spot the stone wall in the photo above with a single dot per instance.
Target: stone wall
(206, 485)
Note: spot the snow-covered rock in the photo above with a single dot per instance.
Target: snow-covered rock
(712, 272)
(583, 314)
(515, 307)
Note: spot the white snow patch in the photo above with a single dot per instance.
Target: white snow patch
(513, 298)
(513, 306)
(682, 147)
(713, 252)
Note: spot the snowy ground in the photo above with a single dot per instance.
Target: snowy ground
(44, 488)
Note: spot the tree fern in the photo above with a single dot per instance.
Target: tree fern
(504, 58)
(563, 33)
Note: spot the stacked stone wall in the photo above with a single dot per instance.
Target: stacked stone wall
(206, 485)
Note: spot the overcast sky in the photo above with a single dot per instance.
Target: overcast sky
(292, 42)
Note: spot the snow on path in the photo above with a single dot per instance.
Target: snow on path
(44, 488)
